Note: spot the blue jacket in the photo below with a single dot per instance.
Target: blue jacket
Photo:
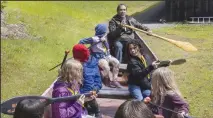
(91, 76)
(98, 48)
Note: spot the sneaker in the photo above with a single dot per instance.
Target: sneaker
(116, 84)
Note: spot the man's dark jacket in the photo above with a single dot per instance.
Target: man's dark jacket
(138, 73)
(116, 31)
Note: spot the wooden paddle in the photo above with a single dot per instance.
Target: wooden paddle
(8, 107)
(184, 45)
(64, 59)
(171, 62)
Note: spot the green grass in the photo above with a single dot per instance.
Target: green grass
(194, 78)
(25, 63)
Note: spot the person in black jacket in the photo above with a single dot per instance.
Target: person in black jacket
(118, 35)
(139, 79)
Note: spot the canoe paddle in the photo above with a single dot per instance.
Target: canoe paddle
(8, 107)
(64, 59)
(184, 45)
(171, 62)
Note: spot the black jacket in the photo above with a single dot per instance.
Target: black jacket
(138, 73)
(116, 31)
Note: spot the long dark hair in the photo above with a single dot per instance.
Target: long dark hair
(135, 43)
(30, 108)
(133, 109)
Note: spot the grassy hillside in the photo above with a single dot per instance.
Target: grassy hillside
(195, 77)
(25, 63)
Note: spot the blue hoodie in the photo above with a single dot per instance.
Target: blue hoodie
(91, 74)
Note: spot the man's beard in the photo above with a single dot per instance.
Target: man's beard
(122, 15)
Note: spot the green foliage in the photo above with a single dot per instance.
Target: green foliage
(3, 5)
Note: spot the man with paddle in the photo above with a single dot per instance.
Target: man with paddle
(120, 35)
(122, 27)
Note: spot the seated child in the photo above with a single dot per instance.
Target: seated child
(139, 79)
(29, 108)
(165, 93)
(68, 84)
(100, 50)
(133, 109)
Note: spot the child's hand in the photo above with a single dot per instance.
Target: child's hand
(147, 100)
(81, 99)
(93, 96)
(155, 64)
(149, 33)
(181, 114)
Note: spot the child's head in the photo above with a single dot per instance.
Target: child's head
(29, 108)
(134, 48)
(133, 109)
(100, 30)
(80, 52)
(72, 71)
(163, 82)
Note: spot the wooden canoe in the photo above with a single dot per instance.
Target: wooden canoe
(113, 93)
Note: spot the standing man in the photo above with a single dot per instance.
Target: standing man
(119, 35)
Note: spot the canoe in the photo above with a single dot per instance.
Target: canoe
(113, 93)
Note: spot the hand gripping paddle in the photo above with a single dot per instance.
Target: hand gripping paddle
(8, 107)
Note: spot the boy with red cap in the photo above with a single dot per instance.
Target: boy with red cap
(80, 52)
(91, 76)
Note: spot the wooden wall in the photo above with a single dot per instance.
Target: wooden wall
(179, 10)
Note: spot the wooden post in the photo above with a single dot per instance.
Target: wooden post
(192, 20)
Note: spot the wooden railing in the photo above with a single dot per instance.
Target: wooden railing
(201, 20)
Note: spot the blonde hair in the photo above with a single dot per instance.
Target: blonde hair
(163, 83)
(72, 72)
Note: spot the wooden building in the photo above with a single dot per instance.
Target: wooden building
(179, 10)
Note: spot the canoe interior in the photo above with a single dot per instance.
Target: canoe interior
(113, 93)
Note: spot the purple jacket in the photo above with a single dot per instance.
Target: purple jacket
(71, 109)
(172, 102)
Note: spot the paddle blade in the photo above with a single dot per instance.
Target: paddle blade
(178, 61)
(185, 46)
(8, 107)
(170, 62)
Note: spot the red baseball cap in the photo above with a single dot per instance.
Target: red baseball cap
(80, 52)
